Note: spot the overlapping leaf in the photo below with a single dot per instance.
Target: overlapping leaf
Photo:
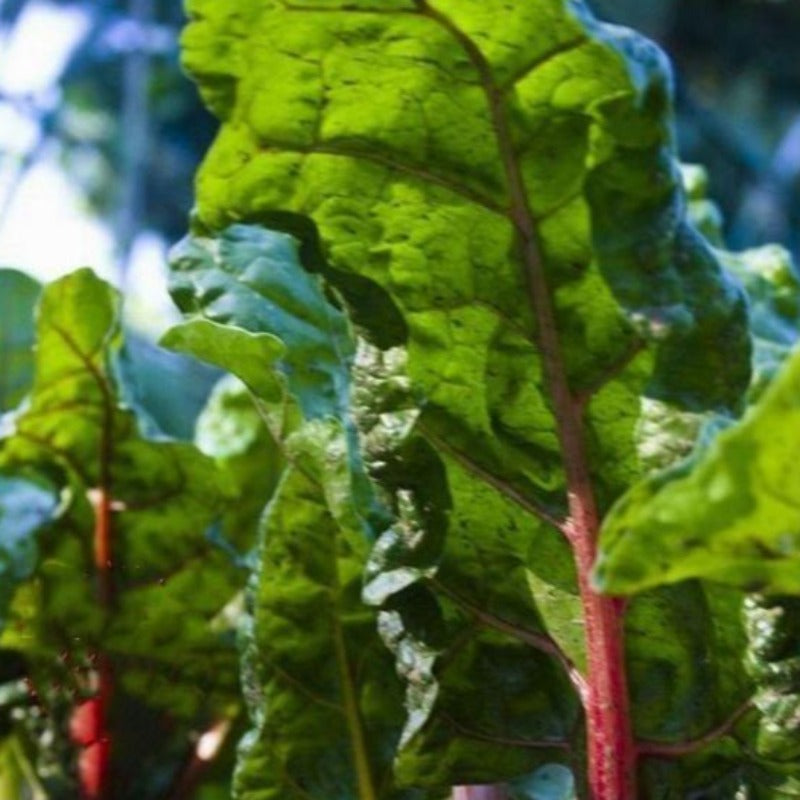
(735, 517)
(169, 581)
(486, 696)
(774, 627)
(731, 514)
(740, 546)
(324, 701)
(492, 186)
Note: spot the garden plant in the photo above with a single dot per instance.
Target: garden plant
(497, 495)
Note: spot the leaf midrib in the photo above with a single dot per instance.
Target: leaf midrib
(366, 786)
(567, 416)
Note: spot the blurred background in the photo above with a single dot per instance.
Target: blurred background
(100, 135)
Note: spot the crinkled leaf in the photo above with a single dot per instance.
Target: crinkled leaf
(249, 279)
(325, 704)
(774, 662)
(740, 482)
(448, 624)
(169, 581)
(434, 147)
(771, 283)
(326, 701)
(18, 294)
(585, 106)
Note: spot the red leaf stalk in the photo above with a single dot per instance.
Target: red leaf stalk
(612, 752)
(89, 723)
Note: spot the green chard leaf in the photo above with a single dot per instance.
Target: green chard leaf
(774, 662)
(491, 187)
(18, 295)
(124, 582)
(324, 702)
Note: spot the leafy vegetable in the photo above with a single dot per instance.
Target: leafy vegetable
(120, 593)
(26, 506)
(492, 188)
(324, 704)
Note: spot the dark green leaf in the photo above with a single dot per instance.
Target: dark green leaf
(774, 662)
(502, 176)
(325, 705)
(153, 609)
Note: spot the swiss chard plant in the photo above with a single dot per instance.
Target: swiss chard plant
(523, 434)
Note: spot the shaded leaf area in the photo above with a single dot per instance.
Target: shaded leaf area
(167, 389)
(18, 295)
(489, 667)
(151, 610)
(769, 737)
(447, 576)
(667, 434)
(495, 129)
(325, 704)
(774, 628)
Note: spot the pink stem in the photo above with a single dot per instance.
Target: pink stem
(611, 748)
(612, 753)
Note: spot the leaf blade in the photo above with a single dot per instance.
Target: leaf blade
(321, 727)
